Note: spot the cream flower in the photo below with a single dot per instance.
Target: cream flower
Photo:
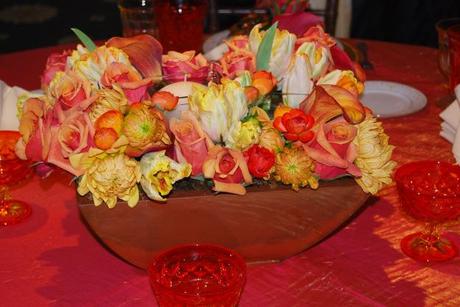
(319, 58)
(159, 173)
(282, 49)
(374, 156)
(111, 176)
(345, 79)
(219, 108)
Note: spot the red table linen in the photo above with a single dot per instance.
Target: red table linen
(52, 258)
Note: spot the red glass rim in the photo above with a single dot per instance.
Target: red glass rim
(453, 32)
(239, 260)
(422, 166)
(444, 24)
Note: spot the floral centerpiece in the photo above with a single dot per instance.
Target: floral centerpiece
(276, 107)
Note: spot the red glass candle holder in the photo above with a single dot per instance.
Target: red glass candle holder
(12, 171)
(429, 192)
(198, 275)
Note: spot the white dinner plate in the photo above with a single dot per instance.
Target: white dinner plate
(391, 99)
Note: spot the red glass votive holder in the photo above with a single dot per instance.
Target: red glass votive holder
(198, 275)
(181, 24)
(453, 34)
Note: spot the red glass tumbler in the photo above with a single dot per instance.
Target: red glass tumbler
(429, 191)
(453, 34)
(181, 24)
(198, 275)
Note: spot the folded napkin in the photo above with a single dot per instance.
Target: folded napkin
(8, 98)
(450, 127)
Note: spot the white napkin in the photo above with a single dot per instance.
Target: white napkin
(8, 98)
(450, 127)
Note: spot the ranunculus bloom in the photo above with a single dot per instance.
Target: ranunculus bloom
(55, 62)
(333, 150)
(260, 161)
(159, 173)
(69, 89)
(238, 58)
(165, 100)
(191, 143)
(108, 99)
(228, 169)
(185, 66)
(295, 125)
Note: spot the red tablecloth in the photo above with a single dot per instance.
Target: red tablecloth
(52, 259)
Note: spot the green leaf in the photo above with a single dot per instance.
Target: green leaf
(276, 9)
(265, 48)
(89, 44)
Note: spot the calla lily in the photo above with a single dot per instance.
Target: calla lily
(282, 49)
(329, 101)
(297, 83)
(159, 173)
(144, 53)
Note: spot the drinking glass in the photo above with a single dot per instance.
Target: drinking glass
(12, 170)
(181, 24)
(453, 34)
(443, 56)
(198, 275)
(137, 17)
(429, 191)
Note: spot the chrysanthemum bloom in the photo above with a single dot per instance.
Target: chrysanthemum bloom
(374, 156)
(108, 99)
(109, 177)
(294, 167)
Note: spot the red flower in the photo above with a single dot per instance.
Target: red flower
(295, 125)
(260, 161)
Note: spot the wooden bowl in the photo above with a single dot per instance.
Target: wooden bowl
(269, 223)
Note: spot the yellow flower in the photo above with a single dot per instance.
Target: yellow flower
(271, 138)
(159, 173)
(108, 99)
(293, 166)
(374, 156)
(111, 176)
(318, 56)
(245, 134)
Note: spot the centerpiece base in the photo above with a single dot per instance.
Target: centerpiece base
(268, 224)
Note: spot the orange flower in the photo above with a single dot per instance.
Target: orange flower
(295, 125)
(264, 81)
(166, 100)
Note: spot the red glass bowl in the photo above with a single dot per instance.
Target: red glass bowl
(198, 274)
(429, 190)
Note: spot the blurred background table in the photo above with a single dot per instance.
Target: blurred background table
(53, 259)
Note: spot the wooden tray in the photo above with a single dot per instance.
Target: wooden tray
(268, 224)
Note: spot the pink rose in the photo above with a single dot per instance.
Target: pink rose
(239, 58)
(69, 89)
(228, 169)
(55, 62)
(185, 66)
(134, 87)
(75, 133)
(192, 143)
(333, 150)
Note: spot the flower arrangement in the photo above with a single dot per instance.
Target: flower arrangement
(275, 107)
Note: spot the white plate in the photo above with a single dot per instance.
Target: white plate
(391, 99)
